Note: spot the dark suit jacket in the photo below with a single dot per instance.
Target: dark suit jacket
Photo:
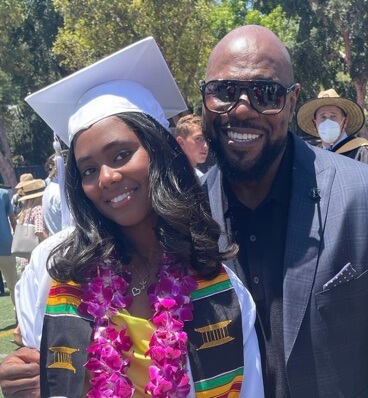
(325, 330)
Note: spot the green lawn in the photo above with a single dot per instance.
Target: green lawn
(7, 324)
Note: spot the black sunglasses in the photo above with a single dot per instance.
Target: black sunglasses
(266, 97)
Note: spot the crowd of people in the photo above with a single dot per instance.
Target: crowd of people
(36, 203)
(260, 262)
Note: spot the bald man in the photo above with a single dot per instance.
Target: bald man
(299, 215)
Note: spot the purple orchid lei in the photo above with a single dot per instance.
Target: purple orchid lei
(171, 305)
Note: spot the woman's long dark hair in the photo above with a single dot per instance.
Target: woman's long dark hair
(184, 228)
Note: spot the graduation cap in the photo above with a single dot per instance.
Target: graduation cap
(134, 79)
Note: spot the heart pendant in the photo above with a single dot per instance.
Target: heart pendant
(136, 291)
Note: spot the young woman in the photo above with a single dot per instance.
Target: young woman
(141, 303)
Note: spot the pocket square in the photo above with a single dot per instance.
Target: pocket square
(346, 274)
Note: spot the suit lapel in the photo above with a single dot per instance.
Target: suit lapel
(306, 221)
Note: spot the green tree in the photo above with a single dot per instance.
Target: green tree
(97, 28)
(27, 31)
(37, 66)
(225, 16)
(348, 23)
(10, 14)
(284, 26)
(91, 30)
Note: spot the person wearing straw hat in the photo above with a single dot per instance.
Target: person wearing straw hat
(32, 212)
(169, 309)
(32, 189)
(335, 120)
(24, 178)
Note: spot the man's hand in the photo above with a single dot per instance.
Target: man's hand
(20, 374)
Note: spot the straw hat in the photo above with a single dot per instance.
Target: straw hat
(32, 189)
(306, 112)
(24, 178)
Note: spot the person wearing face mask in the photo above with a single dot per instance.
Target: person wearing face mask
(335, 121)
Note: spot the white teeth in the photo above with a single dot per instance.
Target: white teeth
(238, 137)
(121, 197)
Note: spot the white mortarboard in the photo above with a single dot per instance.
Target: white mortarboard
(134, 79)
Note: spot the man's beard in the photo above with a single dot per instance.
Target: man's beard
(250, 171)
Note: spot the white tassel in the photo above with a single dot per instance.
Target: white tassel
(59, 161)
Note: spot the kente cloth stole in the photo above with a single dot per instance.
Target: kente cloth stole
(216, 338)
(66, 335)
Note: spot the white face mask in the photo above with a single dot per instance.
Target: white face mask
(329, 131)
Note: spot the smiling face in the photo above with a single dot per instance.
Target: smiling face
(248, 144)
(113, 166)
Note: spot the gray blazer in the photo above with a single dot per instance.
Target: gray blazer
(325, 298)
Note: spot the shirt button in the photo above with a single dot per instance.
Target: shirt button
(256, 280)
(252, 238)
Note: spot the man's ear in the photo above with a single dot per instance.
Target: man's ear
(345, 123)
(180, 141)
(293, 100)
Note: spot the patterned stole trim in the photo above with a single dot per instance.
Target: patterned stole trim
(63, 354)
(216, 331)
(64, 299)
